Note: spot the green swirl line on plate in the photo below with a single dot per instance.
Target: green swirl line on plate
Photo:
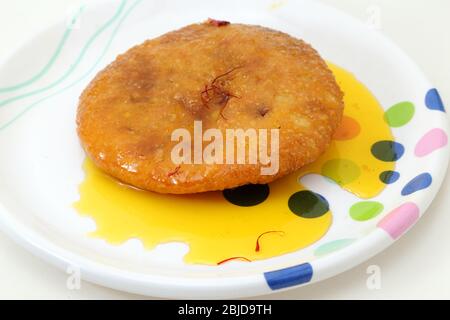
(10, 122)
(52, 60)
(77, 62)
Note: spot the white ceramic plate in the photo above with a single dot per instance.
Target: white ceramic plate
(40, 166)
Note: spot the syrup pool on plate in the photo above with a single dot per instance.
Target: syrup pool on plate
(251, 222)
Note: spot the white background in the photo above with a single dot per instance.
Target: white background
(415, 267)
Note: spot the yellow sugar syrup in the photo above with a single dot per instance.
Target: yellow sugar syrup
(286, 219)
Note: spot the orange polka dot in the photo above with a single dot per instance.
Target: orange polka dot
(348, 129)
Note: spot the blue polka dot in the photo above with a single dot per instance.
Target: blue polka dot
(433, 100)
(389, 177)
(288, 277)
(422, 181)
(387, 151)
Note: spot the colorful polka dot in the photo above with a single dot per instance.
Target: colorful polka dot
(430, 142)
(342, 171)
(365, 210)
(348, 129)
(332, 246)
(289, 277)
(400, 114)
(400, 219)
(387, 151)
(248, 195)
(433, 100)
(422, 181)
(308, 204)
(389, 177)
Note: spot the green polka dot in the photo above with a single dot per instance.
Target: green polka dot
(365, 210)
(342, 171)
(400, 114)
(308, 204)
(333, 246)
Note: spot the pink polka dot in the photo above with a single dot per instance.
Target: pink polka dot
(400, 219)
(433, 140)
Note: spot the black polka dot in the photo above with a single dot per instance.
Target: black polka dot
(248, 195)
(307, 204)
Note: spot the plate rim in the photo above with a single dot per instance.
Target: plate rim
(224, 287)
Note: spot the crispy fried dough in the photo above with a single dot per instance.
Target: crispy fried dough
(225, 75)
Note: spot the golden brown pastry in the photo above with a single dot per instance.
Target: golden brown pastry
(227, 76)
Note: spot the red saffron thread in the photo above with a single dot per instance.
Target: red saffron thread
(217, 23)
(225, 74)
(258, 247)
(206, 98)
(233, 258)
(174, 172)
